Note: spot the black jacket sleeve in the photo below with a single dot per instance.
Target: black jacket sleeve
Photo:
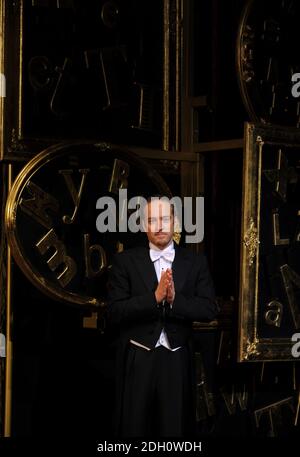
(122, 306)
(196, 301)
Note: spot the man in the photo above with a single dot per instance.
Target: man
(155, 295)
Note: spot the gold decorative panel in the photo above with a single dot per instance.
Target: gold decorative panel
(92, 70)
(270, 244)
(57, 197)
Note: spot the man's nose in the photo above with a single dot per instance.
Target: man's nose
(159, 225)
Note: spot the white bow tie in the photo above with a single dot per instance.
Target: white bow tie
(167, 254)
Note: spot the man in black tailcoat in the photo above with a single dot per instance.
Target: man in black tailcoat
(154, 295)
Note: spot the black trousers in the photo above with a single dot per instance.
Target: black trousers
(157, 393)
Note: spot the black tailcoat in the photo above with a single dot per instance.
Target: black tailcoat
(132, 305)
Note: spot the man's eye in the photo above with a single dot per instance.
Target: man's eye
(151, 221)
(166, 218)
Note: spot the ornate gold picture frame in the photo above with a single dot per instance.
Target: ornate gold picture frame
(72, 74)
(269, 315)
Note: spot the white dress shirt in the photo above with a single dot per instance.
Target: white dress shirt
(160, 265)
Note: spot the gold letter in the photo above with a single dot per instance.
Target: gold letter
(59, 258)
(38, 206)
(274, 315)
(276, 232)
(273, 412)
(290, 277)
(119, 176)
(88, 251)
(76, 196)
(232, 399)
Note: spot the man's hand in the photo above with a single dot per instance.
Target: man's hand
(171, 288)
(165, 289)
(161, 290)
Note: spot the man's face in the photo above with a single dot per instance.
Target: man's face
(159, 223)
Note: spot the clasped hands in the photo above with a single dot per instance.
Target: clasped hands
(165, 290)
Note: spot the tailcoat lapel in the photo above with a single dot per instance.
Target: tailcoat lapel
(180, 268)
(146, 268)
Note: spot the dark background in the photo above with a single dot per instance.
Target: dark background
(63, 373)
